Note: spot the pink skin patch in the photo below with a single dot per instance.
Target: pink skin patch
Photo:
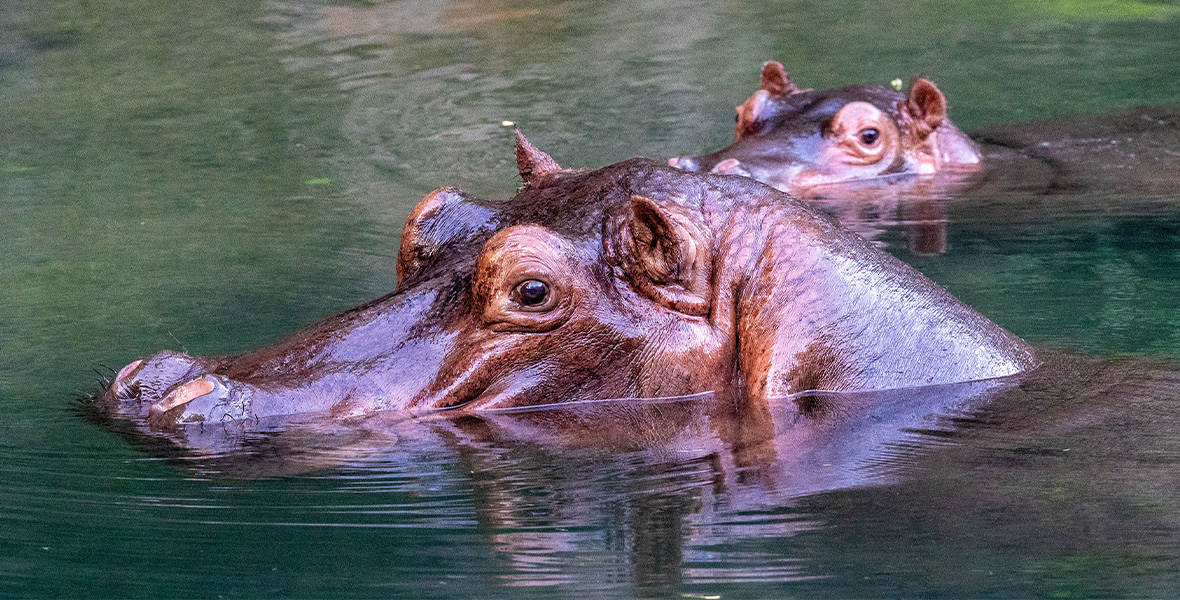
(672, 162)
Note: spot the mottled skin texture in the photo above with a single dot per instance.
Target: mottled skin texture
(657, 282)
(796, 140)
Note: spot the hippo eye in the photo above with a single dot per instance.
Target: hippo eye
(869, 136)
(531, 293)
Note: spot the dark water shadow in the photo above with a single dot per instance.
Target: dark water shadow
(1063, 166)
(1062, 486)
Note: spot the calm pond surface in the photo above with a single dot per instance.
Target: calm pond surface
(211, 176)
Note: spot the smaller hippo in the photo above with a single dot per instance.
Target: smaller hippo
(796, 139)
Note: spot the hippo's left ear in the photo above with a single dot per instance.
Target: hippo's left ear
(776, 85)
(662, 253)
(923, 110)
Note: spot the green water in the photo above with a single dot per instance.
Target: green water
(210, 176)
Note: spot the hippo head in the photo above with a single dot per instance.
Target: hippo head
(632, 281)
(797, 139)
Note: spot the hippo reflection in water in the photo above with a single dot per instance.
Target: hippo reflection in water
(797, 139)
(632, 281)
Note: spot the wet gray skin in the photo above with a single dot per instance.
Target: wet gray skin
(632, 281)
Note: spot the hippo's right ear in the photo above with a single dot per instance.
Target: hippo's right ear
(924, 109)
(445, 218)
(662, 253)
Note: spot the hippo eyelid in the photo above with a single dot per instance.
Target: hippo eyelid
(506, 310)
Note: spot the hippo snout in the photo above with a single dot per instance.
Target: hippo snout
(153, 377)
(169, 388)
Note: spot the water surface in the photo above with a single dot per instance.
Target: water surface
(211, 176)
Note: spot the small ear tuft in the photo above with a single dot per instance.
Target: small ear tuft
(532, 163)
(924, 107)
(776, 81)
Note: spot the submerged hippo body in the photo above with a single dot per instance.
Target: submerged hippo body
(632, 281)
(797, 140)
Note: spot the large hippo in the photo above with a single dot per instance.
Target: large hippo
(797, 139)
(632, 281)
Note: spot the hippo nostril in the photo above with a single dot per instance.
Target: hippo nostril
(122, 387)
(182, 395)
(726, 165)
(127, 371)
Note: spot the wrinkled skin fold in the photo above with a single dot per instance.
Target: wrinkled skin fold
(633, 281)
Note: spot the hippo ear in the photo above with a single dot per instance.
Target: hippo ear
(924, 109)
(532, 163)
(776, 85)
(663, 253)
(776, 81)
(446, 218)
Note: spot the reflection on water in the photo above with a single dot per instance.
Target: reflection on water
(914, 205)
(211, 177)
(672, 497)
(657, 484)
(803, 443)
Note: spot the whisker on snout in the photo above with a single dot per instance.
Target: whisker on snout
(104, 378)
